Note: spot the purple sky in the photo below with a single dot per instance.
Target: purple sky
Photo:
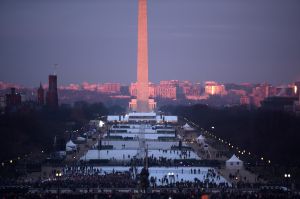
(198, 40)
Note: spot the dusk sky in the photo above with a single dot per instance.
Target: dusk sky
(198, 40)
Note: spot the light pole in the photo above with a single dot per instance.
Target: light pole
(171, 177)
(287, 177)
(58, 175)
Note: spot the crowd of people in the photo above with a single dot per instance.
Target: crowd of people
(271, 194)
(93, 181)
(164, 194)
(90, 178)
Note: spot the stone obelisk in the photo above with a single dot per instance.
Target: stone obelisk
(142, 59)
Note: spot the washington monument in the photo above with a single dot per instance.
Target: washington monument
(142, 103)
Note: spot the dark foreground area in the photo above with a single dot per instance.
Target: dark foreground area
(159, 194)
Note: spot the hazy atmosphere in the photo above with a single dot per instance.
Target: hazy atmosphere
(96, 41)
(152, 99)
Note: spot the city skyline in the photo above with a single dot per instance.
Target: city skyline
(254, 42)
(150, 99)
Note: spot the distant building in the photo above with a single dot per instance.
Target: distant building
(2, 102)
(40, 95)
(133, 89)
(214, 88)
(237, 92)
(151, 88)
(286, 91)
(52, 96)
(297, 104)
(244, 100)
(261, 92)
(193, 90)
(13, 99)
(165, 91)
(110, 88)
(169, 82)
(297, 88)
(278, 103)
(124, 90)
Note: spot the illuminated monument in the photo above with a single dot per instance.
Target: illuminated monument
(142, 103)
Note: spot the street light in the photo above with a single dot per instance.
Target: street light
(171, 177)
(58, 174)
(287, 175)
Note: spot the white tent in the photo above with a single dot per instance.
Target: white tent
(200, 139)
(70, 146)
(234, 163)
(187, 127)
(69, 149)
